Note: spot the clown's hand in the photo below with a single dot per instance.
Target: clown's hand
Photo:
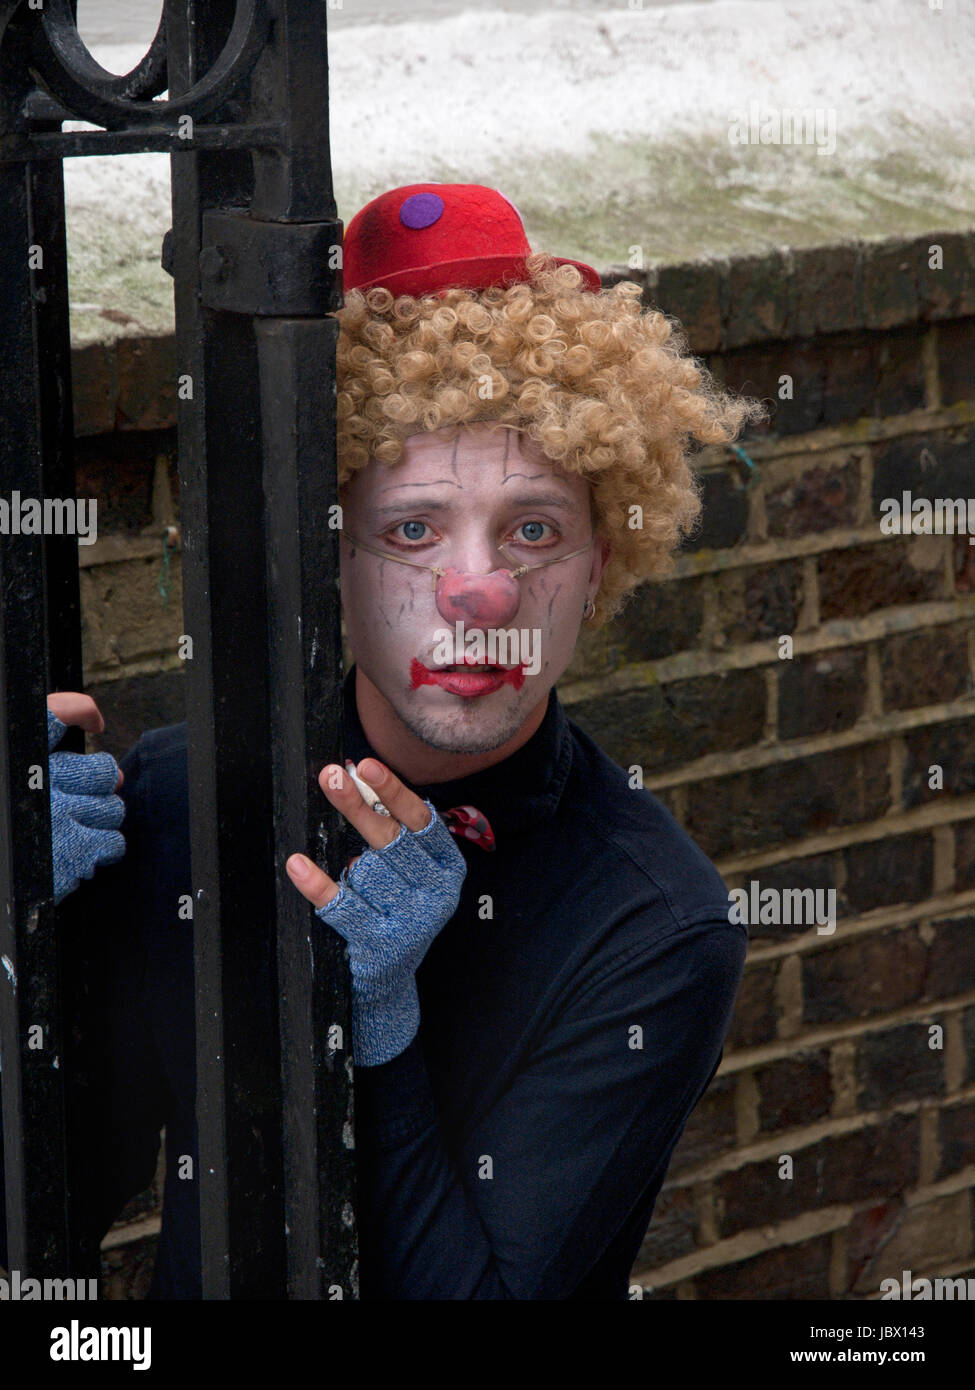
(389, 906)
(85, 813)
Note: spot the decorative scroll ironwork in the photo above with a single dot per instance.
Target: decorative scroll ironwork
(72, 85)
(62, 63)
(60, 51)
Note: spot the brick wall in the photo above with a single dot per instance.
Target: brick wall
(813, 772)
(852, 1052)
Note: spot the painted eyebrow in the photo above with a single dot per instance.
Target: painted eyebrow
(425, 504)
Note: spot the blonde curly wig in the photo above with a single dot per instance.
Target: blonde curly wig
(603, 387)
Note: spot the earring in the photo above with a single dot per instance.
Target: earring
(589, 612)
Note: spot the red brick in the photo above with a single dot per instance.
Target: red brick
(935, 464)
(724, 512)
(758, 602)
(956, 360)
(835, 379)
(882, 873)
(787, 801)
(691, 293)
(818, 500)
(829, 289)
(891, 270)
(822, 693)
(949, 746)
(863, 579)
(896, 1064)
(757, 299)
(951, 966)
(866, 1236)
(816, 872)
(949, 292)
(965, 854)
(795, 1090)
(658, 620)
(788, 1272)
(925, 668)
(899, 384)
(956, 1138)
(866, 975)
(754, 1018)
(666, 725)
(866, 1163)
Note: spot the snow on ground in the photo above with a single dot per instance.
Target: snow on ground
(608, 129)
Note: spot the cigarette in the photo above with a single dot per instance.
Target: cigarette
(369, 796)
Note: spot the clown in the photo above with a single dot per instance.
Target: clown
(543, 965)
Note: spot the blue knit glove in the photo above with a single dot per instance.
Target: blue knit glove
(389, 907)
(85, 815)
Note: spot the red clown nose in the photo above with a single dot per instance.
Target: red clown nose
(480, 600)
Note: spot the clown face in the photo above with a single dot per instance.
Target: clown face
(447, 507)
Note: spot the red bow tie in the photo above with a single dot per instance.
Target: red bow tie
(470, 823)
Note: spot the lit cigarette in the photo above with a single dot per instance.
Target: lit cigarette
(369, 796)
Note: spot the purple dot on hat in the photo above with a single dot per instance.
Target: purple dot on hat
(422, 210)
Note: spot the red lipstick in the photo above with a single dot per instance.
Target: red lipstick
(482, 679)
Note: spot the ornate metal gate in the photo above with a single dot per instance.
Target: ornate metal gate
(255, 255)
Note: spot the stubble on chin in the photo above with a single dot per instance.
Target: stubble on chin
(463, 730)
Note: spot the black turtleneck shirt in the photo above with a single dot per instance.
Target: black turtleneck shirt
(573, 1011)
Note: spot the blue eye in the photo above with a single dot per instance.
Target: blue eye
(536, 534)
(412, 535)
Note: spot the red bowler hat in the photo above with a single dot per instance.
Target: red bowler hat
(425, 237)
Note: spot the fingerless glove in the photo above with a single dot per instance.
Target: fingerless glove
(85, 813)
(389, 908)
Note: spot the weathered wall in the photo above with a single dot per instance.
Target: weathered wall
(806, 771)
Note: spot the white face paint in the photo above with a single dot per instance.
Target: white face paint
(450, 502)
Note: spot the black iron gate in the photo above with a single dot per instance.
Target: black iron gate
(255, 255)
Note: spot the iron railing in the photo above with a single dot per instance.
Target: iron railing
(257, 280)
